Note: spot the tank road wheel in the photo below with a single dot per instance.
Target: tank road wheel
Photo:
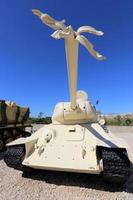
(116, 165)
(14, 156)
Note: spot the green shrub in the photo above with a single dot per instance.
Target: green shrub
(43, 120)
(119, 121)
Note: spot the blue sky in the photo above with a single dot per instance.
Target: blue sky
(33, 66)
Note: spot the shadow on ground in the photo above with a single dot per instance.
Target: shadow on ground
(79, 180)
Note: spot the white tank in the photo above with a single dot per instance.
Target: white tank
(75, 141)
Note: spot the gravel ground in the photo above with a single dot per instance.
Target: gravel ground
(59, 185)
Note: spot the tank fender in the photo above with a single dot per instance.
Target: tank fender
(21, 141)
(107, 140)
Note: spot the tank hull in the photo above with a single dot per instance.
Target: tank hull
(71, 148)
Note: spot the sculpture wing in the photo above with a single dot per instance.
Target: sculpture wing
(49, 21)
(59, 34)
(89, 29)
(37, 12)
(82, 40)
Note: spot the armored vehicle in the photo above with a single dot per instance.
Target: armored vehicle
(75, 140)
(13, 120)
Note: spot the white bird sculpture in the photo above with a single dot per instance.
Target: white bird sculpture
(72, 38)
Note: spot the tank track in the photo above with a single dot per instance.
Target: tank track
(14, 156)
(116, 165)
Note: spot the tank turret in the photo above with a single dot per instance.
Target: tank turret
(84, 111)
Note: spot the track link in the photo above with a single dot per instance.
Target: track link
(14, 156)
(116, 165)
